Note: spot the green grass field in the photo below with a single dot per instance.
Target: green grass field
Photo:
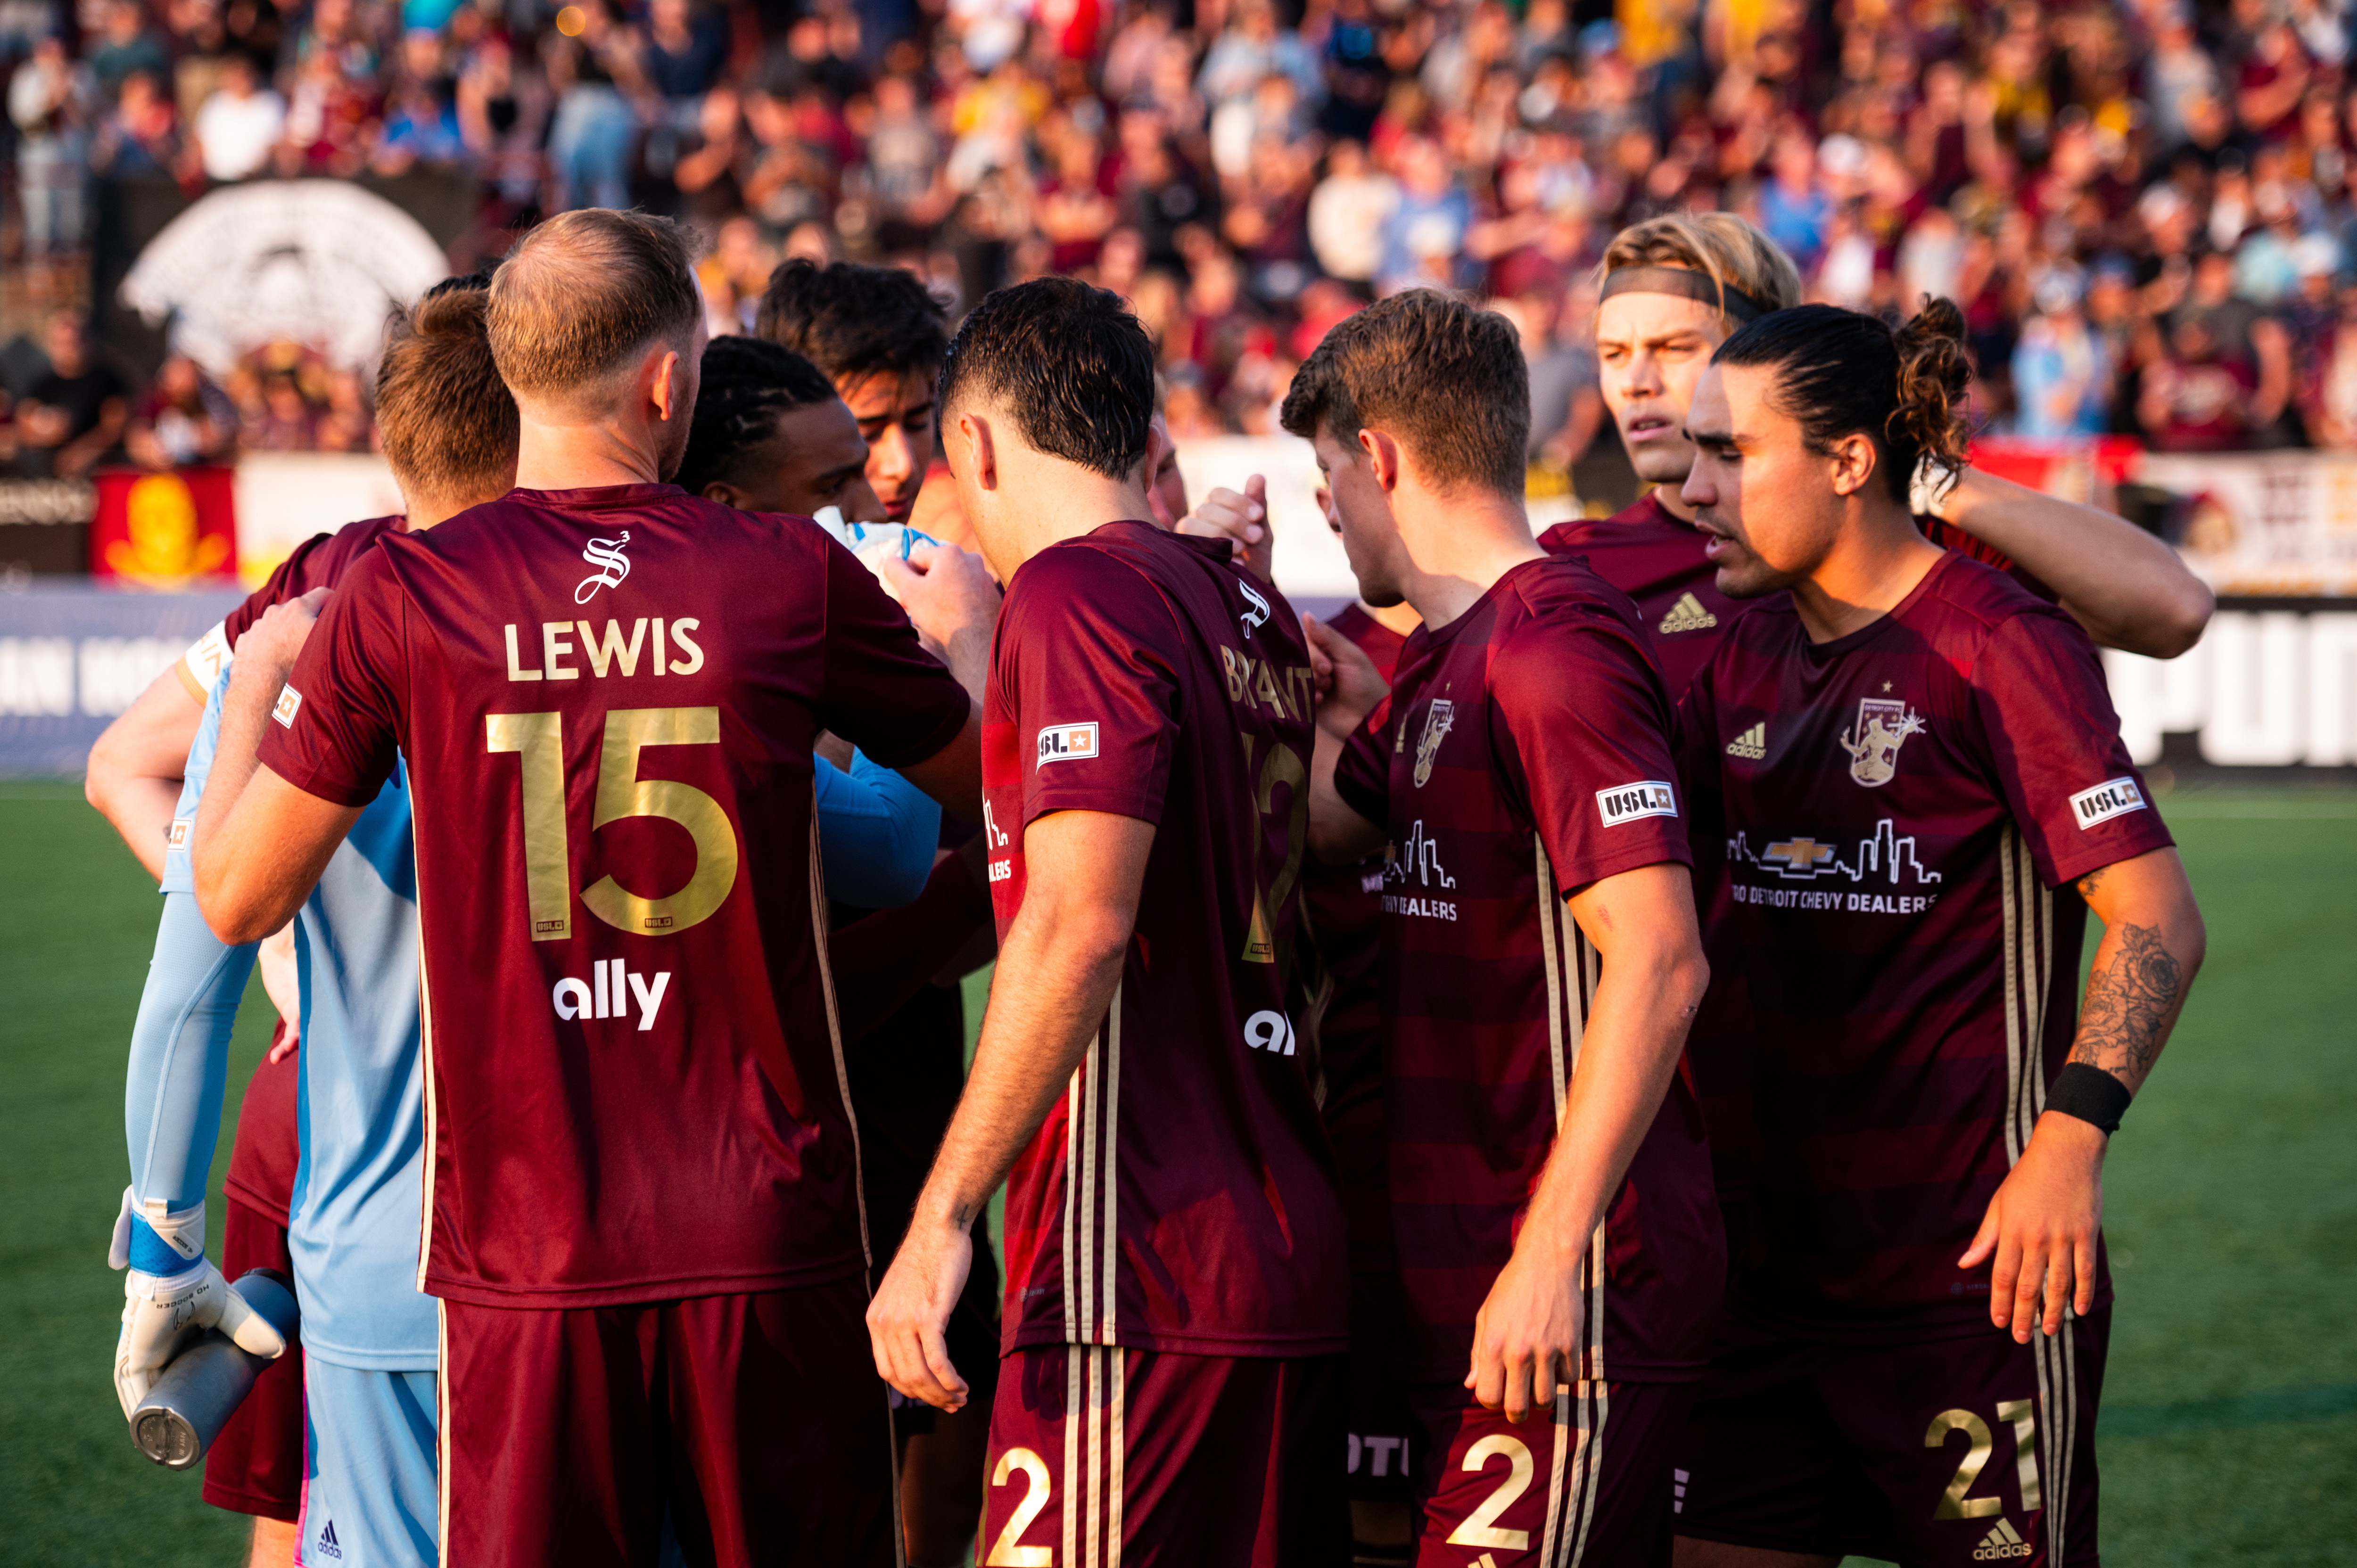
(2229, 1428)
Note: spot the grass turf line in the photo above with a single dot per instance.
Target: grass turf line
(2229, 1428)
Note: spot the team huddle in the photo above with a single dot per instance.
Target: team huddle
(1569, 1062)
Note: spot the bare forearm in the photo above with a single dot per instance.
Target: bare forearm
(2128, 589)
(953, 775)
(1048, 998)
(1636, 1028)
(136, 767)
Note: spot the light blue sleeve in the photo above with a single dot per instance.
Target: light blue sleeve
(179, 1047)
(179, 1055)
(876, 833)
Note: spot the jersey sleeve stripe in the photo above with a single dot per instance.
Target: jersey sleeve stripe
(1112, 1167)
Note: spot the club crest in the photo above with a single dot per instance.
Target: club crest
(1436, 720)
(1883, 726)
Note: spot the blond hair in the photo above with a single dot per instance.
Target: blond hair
(585, 293)
(448, 420)
(1724, 248)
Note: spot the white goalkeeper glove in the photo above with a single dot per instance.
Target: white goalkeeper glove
(172, 1295)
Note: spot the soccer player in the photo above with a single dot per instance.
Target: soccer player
(1172, 1390)
(1919, 783)
(770, 434)
(880, 338)
(345, 1221)
(1673, 288)
(642, 1217)
(1550, 1191)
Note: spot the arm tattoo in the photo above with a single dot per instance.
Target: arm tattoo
(2129, 1006)
(2092, 880)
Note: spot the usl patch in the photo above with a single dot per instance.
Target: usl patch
(1067, 742)
(289, 699)
(1650, 798)
(179, 837)
(2113, 798)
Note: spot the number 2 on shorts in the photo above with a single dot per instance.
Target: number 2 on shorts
(1003, 1552)
(1481, 1526)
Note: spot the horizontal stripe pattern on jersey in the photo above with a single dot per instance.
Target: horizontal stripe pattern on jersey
(1895, 867)
(606, 699)
(1179, 1196)
(1524, 753)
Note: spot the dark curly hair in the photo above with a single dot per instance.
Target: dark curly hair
(1841, 374)
(746, 384)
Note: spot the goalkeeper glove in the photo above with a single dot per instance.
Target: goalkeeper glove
(171, 1295)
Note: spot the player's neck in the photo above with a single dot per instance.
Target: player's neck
(1876, 561)
(1459, 543)
(1665, 496)
(1054, 501)
(580, 457)
(1398, 619)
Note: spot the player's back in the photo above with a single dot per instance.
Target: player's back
(1180, 1197)
(606, 700)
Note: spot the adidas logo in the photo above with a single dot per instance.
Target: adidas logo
(2000, 1543)
(328, 1547)
(1752, 745)
(1688, 614)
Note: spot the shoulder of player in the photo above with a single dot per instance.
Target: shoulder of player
(1089, 573)
(1975, 601)
(1565, 593)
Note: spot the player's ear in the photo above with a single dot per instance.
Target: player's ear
(727, 494)
(974, 430)
(1383, 455)
(667, 386)
(1852, 458)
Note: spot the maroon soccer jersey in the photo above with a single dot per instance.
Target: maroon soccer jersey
(1902, 810)
(1343, 910)
(1524, 754)
(1179, 1196)
(316, 562)
(607, 699)
(1658, 561)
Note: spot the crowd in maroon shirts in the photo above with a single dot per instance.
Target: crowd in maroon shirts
(2144, 207)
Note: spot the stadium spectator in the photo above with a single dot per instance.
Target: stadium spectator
(50, 104)
(1895, 151)
(72, 416)
(239, 126)
(184, 418)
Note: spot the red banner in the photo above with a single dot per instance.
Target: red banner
(165, 532)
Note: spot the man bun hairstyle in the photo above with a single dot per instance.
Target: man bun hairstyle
(853, 321)
(1448, 379)
(1068, 363)
(1840, 373)
(1722, 246)
(448, 420)
(584, 295)
(748, 383)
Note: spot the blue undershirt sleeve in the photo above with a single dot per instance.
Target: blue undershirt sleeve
(179, 1055)
(876, 833)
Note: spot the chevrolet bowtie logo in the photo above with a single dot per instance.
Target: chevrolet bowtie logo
(1800, 855)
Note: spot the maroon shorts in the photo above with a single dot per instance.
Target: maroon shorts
(1964, 1452)
(255, 1464)
(1586, 1484)
(1101, 1455)
(756, 1422)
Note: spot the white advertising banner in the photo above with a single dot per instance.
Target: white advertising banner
(284, 497)
(2266, 524)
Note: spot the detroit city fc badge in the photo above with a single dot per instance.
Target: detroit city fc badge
(1883, 725)
(1436, 720)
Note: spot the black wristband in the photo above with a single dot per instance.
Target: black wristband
(2090, 1094)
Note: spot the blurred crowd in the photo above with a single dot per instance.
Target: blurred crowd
(2144, 209)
